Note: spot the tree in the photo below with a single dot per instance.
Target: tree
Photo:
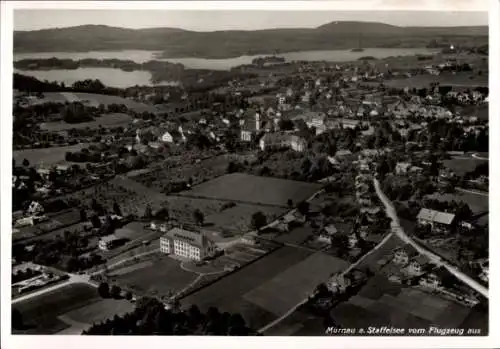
(17, 319)
(83, 215)
(285, 125)
(163, 213)
(96, 222)
(303, 207)
(258, 220)
(103, 290)
(128, 295)
(26, 163)
(199, 217)
(116, 209)
(115, 292)
(148, 212)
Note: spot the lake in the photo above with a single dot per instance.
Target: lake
(119, 78)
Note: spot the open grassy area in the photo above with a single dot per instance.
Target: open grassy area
(181, 169)
(164, 275)
(95, 99)
(238, 219)
(298, 281)
(477, 203)
(463, 165)
(46, 156)
(253, 189)
(100, 311)
(228, 294)
(106, 120)
(458, 81)
(40, 313)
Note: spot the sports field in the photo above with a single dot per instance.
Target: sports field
(162, 276)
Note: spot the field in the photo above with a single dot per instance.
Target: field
(298, 281)
(99, 311)
(459, 81)
(130, 195)
(237, 219)
(463, 165)
(46, 156)
(106, 120)
(478, 203)
(230, 293)
(382, 303)
(95, 100)
(182, 168)
(41, 313)
(246, 188)
(68, 220)
(164, 275)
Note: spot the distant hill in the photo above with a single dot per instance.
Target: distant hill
(221, 44)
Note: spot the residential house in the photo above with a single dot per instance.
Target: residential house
(441, 221)
(485, 271)
(338, 283)
(282, 140)
(327, 232)
(343, 153)
(402, 255)
(430, 280)
(108, 242)
(187, 244)
(352, 240)
(161, 226)
(417, 265)
(402, 167)
(35, 208)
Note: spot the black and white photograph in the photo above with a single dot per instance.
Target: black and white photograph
(247, 172)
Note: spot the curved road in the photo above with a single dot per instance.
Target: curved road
(398, 230)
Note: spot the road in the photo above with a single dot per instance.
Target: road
(398, 230)
(73, 279)
(126, 260)
(475, 192)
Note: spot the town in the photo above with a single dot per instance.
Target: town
(277, 198)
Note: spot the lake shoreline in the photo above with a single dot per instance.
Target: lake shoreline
(160, 55)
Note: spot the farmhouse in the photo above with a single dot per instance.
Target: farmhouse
(437, 220)
(187, 244)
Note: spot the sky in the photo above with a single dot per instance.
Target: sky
(234, 20)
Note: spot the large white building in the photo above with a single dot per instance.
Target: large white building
(282, 140)
(187, 244)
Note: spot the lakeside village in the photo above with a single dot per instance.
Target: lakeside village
(215, 182)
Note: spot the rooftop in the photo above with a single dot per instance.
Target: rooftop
(436, 216)
(192, 237)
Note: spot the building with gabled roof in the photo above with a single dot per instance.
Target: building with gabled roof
(188, 244)
(283, 140)
(433, 217)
